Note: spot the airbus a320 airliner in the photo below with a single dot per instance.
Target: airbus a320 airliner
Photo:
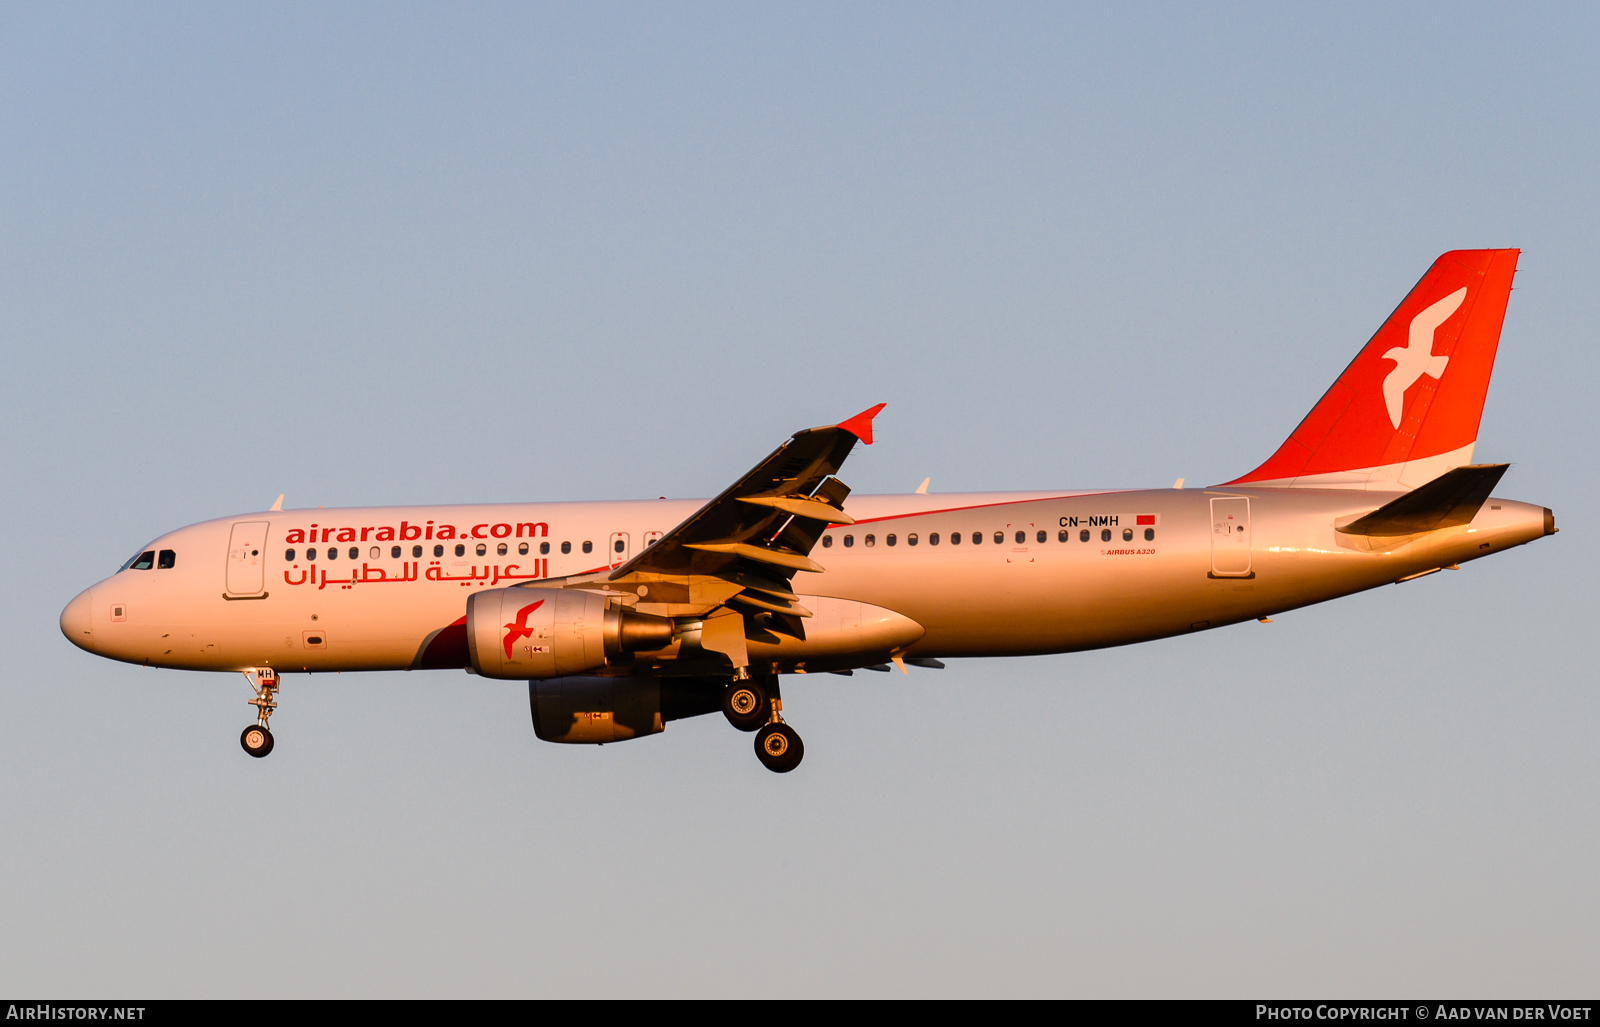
(622, 616)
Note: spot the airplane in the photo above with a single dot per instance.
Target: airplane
(623, 616)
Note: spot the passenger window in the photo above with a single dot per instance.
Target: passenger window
(483, 549)
(355, 554)
(566, 547)
(1041, 537)
(168, 558)
(849, 540)
(311, 554)
(333, 553)
(1022, 537)
(889, 539)
(955, 538)
(977, 538)
(1063, 535)
(522, 549)
(438, 551)
(871, 540)
(288, 556)
(544, 549)
(911, 540)
(999, 538)
(827, 542)
(1105, 534)
(933, 539)
(145, 561)
(377, 552)
(501, 549)
(394, 552)
(1127, 534)
(588, 547)
(1083, 536)
(1149, 534)
(461, 550)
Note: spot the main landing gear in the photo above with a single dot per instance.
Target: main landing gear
(752, 703)
(256, 739)
(746, 703)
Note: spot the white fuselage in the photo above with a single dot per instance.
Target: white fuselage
(1212, 557)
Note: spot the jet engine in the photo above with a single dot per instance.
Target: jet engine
(548, 632)
(595, 710)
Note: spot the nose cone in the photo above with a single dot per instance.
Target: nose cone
(75, 620)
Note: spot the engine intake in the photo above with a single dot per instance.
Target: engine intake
(519, 633)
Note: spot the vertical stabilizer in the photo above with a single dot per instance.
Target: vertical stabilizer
(1407, 408)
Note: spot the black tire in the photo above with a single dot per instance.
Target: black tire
(746, 705)
(257, 741)
(779, 748)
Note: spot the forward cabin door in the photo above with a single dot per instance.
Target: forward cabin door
(1230, 536)
(247, 558)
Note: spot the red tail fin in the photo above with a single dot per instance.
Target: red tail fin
(1407, 408)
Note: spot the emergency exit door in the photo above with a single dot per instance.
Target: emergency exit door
(618, 549)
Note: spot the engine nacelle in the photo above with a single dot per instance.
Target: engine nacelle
(596, 710)
(522, 633)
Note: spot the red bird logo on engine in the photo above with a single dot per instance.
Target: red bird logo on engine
(519, 627)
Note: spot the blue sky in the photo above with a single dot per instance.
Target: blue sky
(393, 253)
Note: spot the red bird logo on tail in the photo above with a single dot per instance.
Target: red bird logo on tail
(519, 627)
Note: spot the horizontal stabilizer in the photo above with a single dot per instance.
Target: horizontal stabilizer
(1451, 499)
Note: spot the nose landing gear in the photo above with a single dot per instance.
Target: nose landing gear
(256, 739)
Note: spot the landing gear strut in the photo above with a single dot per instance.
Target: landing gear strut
(755, 704)
(256, 739)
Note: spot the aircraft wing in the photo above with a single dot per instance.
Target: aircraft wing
(760, 531)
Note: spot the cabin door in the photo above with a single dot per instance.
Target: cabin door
(1230, 536)
(247, 558)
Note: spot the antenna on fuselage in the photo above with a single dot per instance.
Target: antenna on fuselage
(277, 506)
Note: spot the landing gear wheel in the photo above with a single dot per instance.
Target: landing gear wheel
(779, 748)
(745, 705)
(257, 740)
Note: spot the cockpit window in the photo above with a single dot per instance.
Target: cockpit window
(144, 561)
(166, 560)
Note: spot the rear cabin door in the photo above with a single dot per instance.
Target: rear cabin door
(247, 557)
(1230, 536)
